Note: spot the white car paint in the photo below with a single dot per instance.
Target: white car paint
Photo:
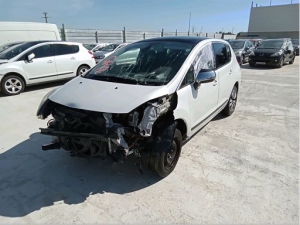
(50, 68)
(27, 31)
(195, 107)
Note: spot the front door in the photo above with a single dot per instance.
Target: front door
(42, 67)
(204, 100)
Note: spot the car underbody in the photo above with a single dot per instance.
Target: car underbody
(96, 134)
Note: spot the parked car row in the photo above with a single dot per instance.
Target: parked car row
(270, 52)
(37, 62)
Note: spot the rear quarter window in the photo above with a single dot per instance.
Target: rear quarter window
(65, 49)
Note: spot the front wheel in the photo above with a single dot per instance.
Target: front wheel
(280, 63)
(292, 60)
(230, 107)
(12, 85)
(251, 64)
(165, 151)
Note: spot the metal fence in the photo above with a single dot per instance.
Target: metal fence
(90, 36)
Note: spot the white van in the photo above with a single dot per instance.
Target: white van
(27, 31)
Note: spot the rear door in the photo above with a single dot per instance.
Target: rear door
(223, 70)
(42, 67)
(66, 59)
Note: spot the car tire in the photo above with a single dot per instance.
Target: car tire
(12, 85)
(164, 151)
(243, 59)
(280, 63)
(292, 60)
(230, 107)
(81, 70)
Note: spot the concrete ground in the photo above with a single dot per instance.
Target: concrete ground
(241, 169)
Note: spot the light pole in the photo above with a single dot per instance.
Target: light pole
(189, 23)
(45, 17)
(232, 30)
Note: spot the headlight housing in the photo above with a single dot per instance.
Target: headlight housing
(277, 53)
(43, 105)
(252, 53)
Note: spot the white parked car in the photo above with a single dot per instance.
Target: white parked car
(108, 50)
(39, 62)
(145, 99)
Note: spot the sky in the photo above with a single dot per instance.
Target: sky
(137, 15)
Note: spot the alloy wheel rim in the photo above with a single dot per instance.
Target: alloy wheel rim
(13, 86)
(232, 100)
(82, 71)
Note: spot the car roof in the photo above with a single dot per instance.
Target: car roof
(185, 39)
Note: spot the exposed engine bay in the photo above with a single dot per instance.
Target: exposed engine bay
(99, 134)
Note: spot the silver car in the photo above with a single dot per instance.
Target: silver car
(108, 50)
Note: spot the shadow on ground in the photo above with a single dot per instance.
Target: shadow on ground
(31, 179)
(41, 86)
(258, 67)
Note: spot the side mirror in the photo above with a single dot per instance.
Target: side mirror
(204, 76)
(30, 57)
(247, 48)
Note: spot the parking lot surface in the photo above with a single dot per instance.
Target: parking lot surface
(241, 169)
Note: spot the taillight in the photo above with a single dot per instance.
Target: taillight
(91, 54)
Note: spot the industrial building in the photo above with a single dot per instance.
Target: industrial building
(277, 21)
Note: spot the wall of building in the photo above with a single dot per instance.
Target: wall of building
(278, 18)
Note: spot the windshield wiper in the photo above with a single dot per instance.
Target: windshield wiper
(116, 79)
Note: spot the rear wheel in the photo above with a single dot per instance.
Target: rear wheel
(165, 151)
(82, 70)
(230, 107)
(12, 85)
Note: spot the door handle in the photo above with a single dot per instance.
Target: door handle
(215, 82)
(230, 72)
(73, 58)
(50, 61)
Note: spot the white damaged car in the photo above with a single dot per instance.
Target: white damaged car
(144, 100)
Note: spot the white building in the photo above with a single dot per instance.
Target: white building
(278, 21)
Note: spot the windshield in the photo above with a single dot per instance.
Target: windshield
(6, 46)
(276, 44)
(237, 44)
(146, 63)
(16, 50)
(295, 41)
(89, 46)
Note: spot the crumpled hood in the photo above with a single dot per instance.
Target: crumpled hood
(101, 96)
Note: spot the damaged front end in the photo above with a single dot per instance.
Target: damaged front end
(87, 133)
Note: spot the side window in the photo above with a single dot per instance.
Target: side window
(221, 54)
(228, 53)
(203, 61)
(63, 49)
(41, 51)
(189, 77)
